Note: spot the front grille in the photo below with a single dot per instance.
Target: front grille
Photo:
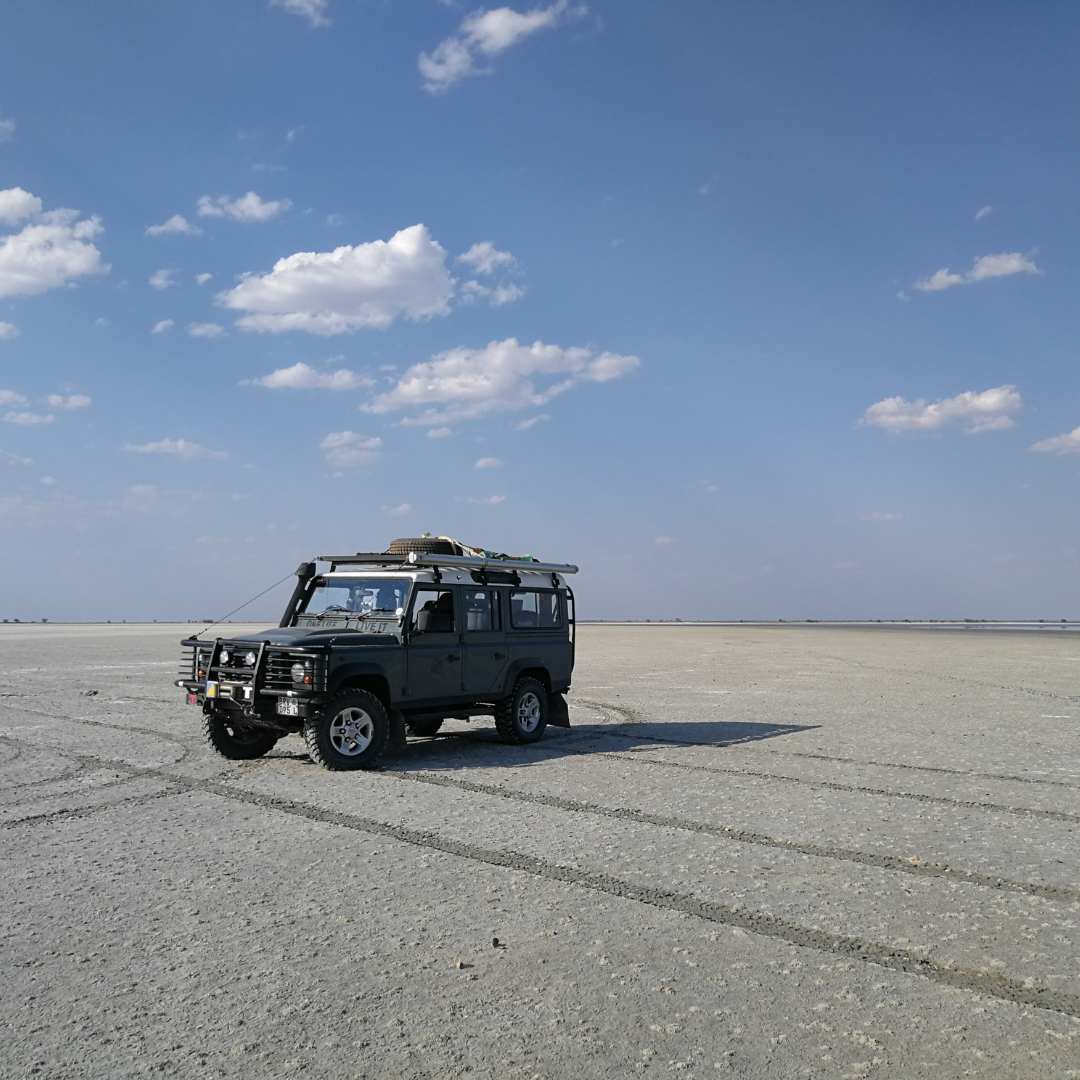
(279, 670)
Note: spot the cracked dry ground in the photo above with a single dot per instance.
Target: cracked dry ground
(803, 852)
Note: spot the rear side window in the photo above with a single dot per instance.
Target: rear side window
(533, 610)
(480, 611)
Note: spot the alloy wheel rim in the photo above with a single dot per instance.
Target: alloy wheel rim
(351, 731)
(528, 712)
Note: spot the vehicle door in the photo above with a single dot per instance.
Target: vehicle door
(538, 633)
(433, 653)
(486, 651)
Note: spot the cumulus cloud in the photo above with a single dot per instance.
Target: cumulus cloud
(486, 258)
(663, 541)
(52, 249)
(312, 10)
(485, 34)
(464, 383)
(881, 516)
(982, 269)
(398, 511)
(531, 421)
(28, 419)
(496, 296)
(488, 463)
(485, 500)
(179, 448)
(7, 129)
(351, 287)
(162, 327)
(302, 376)
(440, 433)
(983, 212)
(68, 402)
(1069, 443)
(177, 225)
(206, 330)
(249, 208)
(17, 204)
(12, 397)
(202, 279)
(987, 410)
(7, 458)
(8, 331)
(344, 448)
(162, 279)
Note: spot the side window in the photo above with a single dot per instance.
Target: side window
(480, 612)
(433, 611)
(534, 610)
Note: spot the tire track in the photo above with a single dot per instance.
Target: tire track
(1002, 987)
(743, 836)
(65, 814)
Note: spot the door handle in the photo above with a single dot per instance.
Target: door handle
(453, 657)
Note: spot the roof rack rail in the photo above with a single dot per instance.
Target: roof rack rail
(463, 562)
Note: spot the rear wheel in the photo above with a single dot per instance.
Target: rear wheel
(523, 716)
(423, 725)
(351, 732)
(235, 742)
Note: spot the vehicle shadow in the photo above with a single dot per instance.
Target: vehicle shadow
(482, 748)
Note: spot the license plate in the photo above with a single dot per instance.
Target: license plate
(288, 706)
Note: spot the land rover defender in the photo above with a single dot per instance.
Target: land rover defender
(380, 643)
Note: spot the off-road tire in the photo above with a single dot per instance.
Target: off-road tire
(317, 732)
(423, 725)
(236, 744)
(422, 545)
(508, 721)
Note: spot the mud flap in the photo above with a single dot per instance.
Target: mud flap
(396, 743)
(558, 713)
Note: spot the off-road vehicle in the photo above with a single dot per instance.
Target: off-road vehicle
(381, 643)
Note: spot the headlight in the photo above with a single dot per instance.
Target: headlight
(301, 673)
(250, 658)
(224, 655)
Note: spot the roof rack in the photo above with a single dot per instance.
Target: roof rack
(462, 562)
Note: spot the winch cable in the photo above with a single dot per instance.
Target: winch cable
(244, 604)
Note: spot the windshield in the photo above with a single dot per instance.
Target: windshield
(358, 596)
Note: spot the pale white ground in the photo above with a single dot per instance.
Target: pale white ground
(759, 852)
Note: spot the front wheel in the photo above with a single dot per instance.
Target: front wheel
(235, 742)
(523, 716)
(351, 732)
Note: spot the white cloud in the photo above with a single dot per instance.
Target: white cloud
(485, 258)
(162, 279)
(334, 292)
(162, 327)
(312, 10)
(302, 376)
(663, 541)
(180, 448)
(202, 279)
(983, 212)
(485, 500)
(17, 204)
(987, 410)
(177, 225)
(530, 422)
(249, 208)
(488, 463)
(398, 511)
(982, 269)
(206, 330)
(464, 383)
(347, 448)
(440, 433)
(485, 34)
(497, 296)
(50, 251)
(14, 459)
(28, 419)
(48, 481)
(102, 322)
(1069, 443)
(68, 402)
(12, 397)
(7, 129)
(881, 516)
(8, 331)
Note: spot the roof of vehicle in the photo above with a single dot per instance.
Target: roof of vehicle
(446, 576)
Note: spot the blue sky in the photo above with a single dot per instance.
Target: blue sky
(752, 310)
